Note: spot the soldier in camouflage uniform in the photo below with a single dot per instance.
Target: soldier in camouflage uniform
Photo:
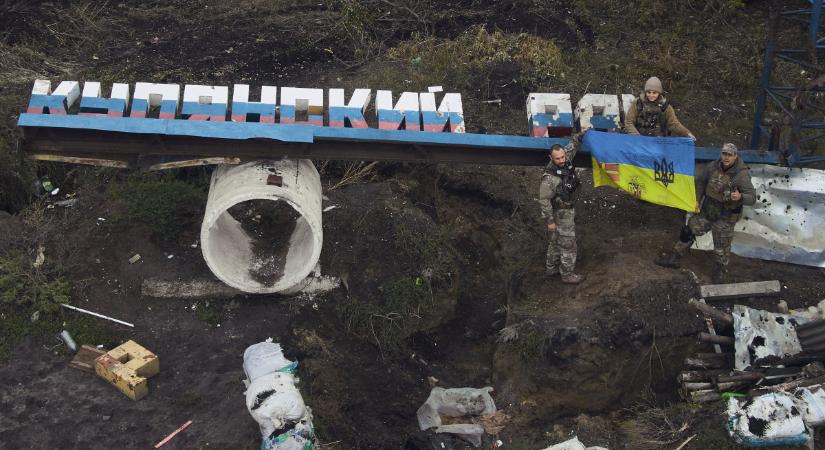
(722, 187)
(557, 197)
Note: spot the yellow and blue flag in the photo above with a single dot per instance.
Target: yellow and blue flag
(656, 170)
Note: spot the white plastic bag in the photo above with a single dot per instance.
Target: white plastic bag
(572, 444)
(454, 403)
(273, 400)
(264, 358)
(470, 432)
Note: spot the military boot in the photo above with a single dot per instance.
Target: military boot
(670, 260)
(572, 278)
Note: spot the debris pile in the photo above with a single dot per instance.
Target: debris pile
(768, 365)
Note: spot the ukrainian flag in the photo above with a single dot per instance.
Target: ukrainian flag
(656, 170)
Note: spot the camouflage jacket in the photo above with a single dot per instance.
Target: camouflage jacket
(714, 182)
(666, 124)
(550, 185)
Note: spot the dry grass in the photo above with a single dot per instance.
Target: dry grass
(654, 427)
(354, 173)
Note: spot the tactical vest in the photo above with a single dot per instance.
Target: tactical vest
(717, 192)
(650, 120)
(568, 184)
(719, 185)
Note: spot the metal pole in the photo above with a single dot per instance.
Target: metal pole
(764, 82)
(813, 30)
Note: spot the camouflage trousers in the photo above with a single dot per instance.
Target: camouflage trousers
(561, 250)
(721, 229)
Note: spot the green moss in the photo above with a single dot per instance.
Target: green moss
(26, 292)
(208, 312)
(530, 345)
(166, 205)
(24, 285)
(16, 323)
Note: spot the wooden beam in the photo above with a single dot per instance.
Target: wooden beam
(79, 160)
(716, 339)
(711, 311)
(193, 163)
(738, 290)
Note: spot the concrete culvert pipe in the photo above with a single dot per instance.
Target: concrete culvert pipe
(261, 232)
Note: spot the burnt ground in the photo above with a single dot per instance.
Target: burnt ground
(442, 265)
(595, 349)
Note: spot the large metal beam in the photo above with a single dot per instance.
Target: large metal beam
(148, 142)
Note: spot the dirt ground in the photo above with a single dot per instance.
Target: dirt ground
(605, 344)
(441, 266)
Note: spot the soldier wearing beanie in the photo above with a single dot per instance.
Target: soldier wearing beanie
(652, 115)
(722, 188)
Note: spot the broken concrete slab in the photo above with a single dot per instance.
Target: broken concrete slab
(152, 287)
(737, 290)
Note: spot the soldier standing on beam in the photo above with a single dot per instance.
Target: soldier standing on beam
(557, 198)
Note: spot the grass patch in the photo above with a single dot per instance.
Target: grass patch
(208, 312)
(16, 324)
(428, 253)
(23, 285)
(168, 206)
(28, 292)
(470, 63)
(403, 306)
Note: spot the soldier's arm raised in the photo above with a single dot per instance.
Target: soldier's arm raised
(674, 125)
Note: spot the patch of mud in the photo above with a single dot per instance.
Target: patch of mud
(269, 225)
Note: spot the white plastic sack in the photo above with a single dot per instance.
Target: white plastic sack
(301, 437)
(273, 401)
(454, 403)
(770, 419)
(572, 444)
(264, 358)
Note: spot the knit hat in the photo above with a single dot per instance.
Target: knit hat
(730, 149)
(653, 84)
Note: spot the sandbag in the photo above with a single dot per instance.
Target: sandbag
(264, 358)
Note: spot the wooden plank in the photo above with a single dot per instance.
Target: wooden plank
(76, 160)
(193, 163)
(711, 311)
(711, 330)
(738, 290)
(84, 359)
(715, 339)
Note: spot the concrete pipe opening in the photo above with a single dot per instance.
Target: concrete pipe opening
(261, 232)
